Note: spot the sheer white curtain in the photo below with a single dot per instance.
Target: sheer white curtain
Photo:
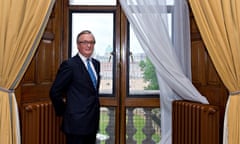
(170, 56)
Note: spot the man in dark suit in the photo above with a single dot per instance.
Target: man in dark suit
(80, 109)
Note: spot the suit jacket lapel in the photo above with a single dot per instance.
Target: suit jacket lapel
(84, 69)
(82, 65)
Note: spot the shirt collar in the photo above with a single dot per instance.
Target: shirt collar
(83, 57)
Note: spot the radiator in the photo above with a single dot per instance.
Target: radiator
(194, 123)
(40, 125)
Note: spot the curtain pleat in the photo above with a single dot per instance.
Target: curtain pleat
(22, 25)
(219, 25)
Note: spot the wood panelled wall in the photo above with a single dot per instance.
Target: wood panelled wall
(42, 69)
(34, 87)
(39, 125)
(204, 75)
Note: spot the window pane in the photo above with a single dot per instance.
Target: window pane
(142, 76)
(92, 2)
(101, 25)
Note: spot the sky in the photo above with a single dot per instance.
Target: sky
(101, 26)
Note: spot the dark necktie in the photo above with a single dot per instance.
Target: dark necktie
(91, 73)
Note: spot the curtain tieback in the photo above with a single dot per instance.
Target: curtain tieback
(6, 90)
(234, 93)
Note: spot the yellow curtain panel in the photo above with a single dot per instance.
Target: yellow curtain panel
(219, 25)
(21, 27)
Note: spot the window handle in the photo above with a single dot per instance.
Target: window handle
(131, 56)
(111, 55)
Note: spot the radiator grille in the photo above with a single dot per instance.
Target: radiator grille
(41, 125)
(195, 123)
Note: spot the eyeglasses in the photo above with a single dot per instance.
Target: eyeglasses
(86, 42)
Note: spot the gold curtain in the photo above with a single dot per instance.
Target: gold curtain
(219, 25)
(22, 25)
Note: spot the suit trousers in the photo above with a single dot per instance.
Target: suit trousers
(81, 139)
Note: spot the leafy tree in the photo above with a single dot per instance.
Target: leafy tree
(149, 74)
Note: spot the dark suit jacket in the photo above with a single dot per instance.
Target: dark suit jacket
(81, 109)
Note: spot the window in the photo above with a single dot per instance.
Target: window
(101, 25)
(142, 76)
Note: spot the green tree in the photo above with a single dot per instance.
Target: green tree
(149, 74)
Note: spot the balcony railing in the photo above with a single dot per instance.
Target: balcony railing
(142, 126)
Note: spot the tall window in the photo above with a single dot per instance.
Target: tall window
(129, 89)
(101, 25)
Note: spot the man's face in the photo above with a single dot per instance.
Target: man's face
(86, 44)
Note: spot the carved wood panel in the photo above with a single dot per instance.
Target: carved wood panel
(204, 74)
(38, 78)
